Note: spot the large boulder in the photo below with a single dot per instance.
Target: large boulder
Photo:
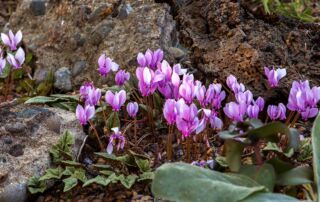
(26, 135)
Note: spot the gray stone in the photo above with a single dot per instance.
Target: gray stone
(38, 7)
(15, 127)
(100, 32)
(177, 53)
(78, 67)
(63, 79)
(28, 155)
(79, 39)
(125, 10)
(100, 12)
(40, 75)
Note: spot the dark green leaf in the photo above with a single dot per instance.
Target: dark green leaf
(35, 185)
(143, 164)
(74, 98)
(69, 183)
(315, 135)
(294, 139)
(62, 150)
(98, 180)
(41, 100)
(128, 181)
(279, 165)
(271, 146)
(264, 175)
(146, 176)
(269, 132)
(296, 176)
(269, 197)
(107, 172)
(71, 163)
(52, 173)
(233, 154)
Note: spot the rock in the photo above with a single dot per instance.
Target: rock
(63, 79)
(78, 67)
(38, 7)
(100, 32)
(177, 53)
(124, 11)
(28, 155)
(40, 75)
(15, 127)
(101, 12)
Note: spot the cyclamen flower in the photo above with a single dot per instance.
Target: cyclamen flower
(253, 111)
(150, 59)
(132, 109)
(84, 90)
(188, 88)
(200, 94)
(215, 95)
(148, 80)
(106, 65)
(93, 96)
(235, 111)
(17, 60)
(1, 53)
(187, 120)
(277, 112)
(211, 116)
(11, 40)
(2, 65)
(244, 97)
(116, 100)
(121, 77)
(233, 84)
(309, 113)
(84, 114)
(274, 76)
(170, 111)
(260, 103)
(116, 136)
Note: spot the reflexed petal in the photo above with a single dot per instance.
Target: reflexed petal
(5, 39)
(147, 76)
(148, 56)
(110, 148)
(122, 97)
(18, 37)
(102, 60)
(114, 66)
(281, 73)
(109, 97)
(141, 60)
(20, 56)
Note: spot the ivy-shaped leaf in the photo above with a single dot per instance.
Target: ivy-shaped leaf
(62, 150)
(98, 180)
(35, 185)
(143, 164)
(128, 181)
(69, 183)
(52, 173)
(146, 176)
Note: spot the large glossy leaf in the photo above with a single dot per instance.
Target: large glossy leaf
(296, 176)
(269, 197)
(41, 100)
(264, 175)
(269, 132)
(316, 152)
(184, 182)
(233, 154)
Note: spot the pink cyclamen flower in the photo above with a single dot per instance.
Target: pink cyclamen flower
(1, 53)
(106, 65)
(253, 111)
(200, 94)
(211, 116)
(132, 109)
(121, 77)
(244, 97)
(188, 88)
(116, 100)
(85, 114)
(309, 113)
(116, 136)
(93, 96)
(215, 95)
(150, 59)
(17, 60)
(12, 40)
(235, 111)
(274, 76)
(84, 89)
(277, 112)
(170, 111)
(233, 84)
(2, 65)
(187, 120)
(260, 102)
(148, 80)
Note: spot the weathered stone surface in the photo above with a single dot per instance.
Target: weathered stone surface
(38, 7)
(26, 153)
(62, 79)
(82, 30)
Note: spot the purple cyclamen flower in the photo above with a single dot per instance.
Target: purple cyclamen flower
(200, 94)
(93, 96)
(11, 40)
(150, 59)
(309, 113)
(121, 77)
(277, 112)
(235, 111)
(170, 111)
(244, 97)
(132, 109)
(233, 84)
(179, 70)
(1, 53)
(188, 88)
(253, 111)
(2, 65)
(17, 60)
(187, 120)
(211, 116)
(116, 136)
(148, 80)
(84, 90)
(106, 65)
(274, 76)
(85, 114)
(116, 100)
(260, 102)
(215, 95)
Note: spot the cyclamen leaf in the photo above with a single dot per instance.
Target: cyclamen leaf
(35, 185)
(107, 172)
(128, 181)
(146, 176)
(143, 164)
(62, 150)
(98, 180)
(233, 154)
(41, 100)
(269, 197)
(315, 134)
(52, 173)
(296, 176)
(69, 183)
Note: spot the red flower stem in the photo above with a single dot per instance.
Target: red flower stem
(97, 135)
(188, 142)
(289, 118)
(7, 88)
(169, 142)
(295, 119)
(135, 130)
(103, 112)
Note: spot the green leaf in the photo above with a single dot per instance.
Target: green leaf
(101, 166)
(75, 98)
(143, 164)
(315, 135)
(62, 150)
(221, 160)
(264, 175)
(107, 156)
(128, 181)
(233, 154)
(98, 180)
(71, 163)
(184, 182)
(272, 146)
(296, 176)
(41, 100)
(28, 59)
(69, 183)
(113, 120)
(107, 172)
(35, 185)
(279, 165)
(255, 123)
(269, 197)
(146, 176)
(269, 132)
(80, 174)
(294, 139)
(52, 173)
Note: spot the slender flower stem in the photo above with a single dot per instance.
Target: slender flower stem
(7, 88)
(258, 154)
(289, 117)
(135, 131)
(97, 135)
(103, 112)
(188, 152)
(169, 142)
(295, 119)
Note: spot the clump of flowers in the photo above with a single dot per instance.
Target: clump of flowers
(192, 110)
